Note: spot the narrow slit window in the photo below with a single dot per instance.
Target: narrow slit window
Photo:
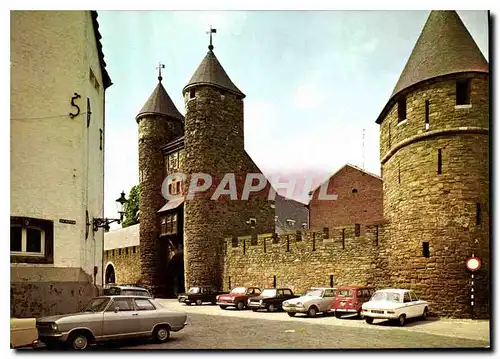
(331, 281)
(343, 238)
(192, 93)
(89, 112)
(463, 92)
(287, 243)
(265, 245)
(440, 161)
(478, 214)
(402, 110)
(314, 242)
(244, 246)
(425, 250)
(427, 113)
(274, 281)
(399, 172)
(376, 235)
(100, 139)
(357, 230)
(229, 281)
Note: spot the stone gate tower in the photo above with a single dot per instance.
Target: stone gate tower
(434, 134)
(214, 145)
(159, 123)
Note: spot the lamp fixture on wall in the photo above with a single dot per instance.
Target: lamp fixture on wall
(121, 208)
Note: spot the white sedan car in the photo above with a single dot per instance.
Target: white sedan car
(394, 304)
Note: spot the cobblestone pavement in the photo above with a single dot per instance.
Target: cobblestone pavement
(210, 327)
(458, 328)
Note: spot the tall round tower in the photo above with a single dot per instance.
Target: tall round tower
(159, 123)
(434, 152)
(214, 145)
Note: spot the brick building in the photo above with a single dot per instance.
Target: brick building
(359, 200)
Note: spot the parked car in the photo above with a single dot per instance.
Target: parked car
(126, 289)
(23, 332)
(271, 299)
(316, 300)
(349, 299)
(200, 295)
(395, 305)
(237, 297)
(110, 318)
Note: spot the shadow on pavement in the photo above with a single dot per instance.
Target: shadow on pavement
(412, 322)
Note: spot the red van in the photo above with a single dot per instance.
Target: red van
(348, 299)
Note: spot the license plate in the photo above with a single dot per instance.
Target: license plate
(378, 311)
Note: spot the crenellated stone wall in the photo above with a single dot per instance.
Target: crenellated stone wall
(305, 259)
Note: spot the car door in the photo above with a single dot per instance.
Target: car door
(120, 323)
(418, 305)
(409, 308)
(147, 314)
(327, 300)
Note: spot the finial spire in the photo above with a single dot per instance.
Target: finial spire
(212, 31)
(160, 66)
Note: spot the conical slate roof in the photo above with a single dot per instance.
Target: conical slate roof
(444, 47)
(159, 103)
(211, 72)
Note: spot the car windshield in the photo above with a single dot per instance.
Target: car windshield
(269, 293)
(112, 291)
(194, 290)
(389, 296)
(96, 305)
(314, 293)
(239, 290)
(141, 293)
(344, 293)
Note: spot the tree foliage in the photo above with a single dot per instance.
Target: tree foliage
(132, 212)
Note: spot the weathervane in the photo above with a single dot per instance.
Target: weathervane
(160, 66)
(212, 31)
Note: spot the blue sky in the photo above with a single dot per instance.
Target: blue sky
(313, 79)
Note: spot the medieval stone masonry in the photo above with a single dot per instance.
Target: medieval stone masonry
(413, 227)
(434, 153)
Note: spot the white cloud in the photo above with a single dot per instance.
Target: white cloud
(308, 95)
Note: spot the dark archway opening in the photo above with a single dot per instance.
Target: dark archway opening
(110, 274)
(175, 276)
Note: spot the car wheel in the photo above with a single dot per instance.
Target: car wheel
(79, 341)
(271, 308)
(161, 334)
(312, 312)
(222, 306)
(402, 320)
(240, 305)
(338, 315)
(214, 303)
(254, 309)
(425, 314)
(199, 302)
(291, 314)
(369, 320)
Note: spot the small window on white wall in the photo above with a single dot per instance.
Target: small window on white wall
(29, 241)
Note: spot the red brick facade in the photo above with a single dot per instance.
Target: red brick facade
(359, 200)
